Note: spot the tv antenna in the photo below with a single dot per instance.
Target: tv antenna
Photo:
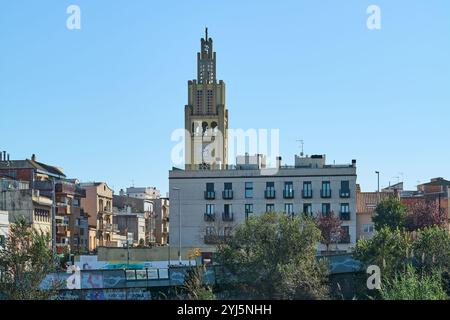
(302, 144)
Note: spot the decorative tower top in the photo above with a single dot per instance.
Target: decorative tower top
(206, 73)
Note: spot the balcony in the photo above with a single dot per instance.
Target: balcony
(63, 209)
(344, 193)
(62, 230)
(214, 239)
(227, 194)
(307, 194)
(227, 216)
(325, 193)
(210, 195)
(345, 216)
(269, 193)
(345, 239)
(288, 193)
(209, 217)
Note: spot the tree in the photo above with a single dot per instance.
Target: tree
(432, 248)
(195, 286)
(330, 228)
(274, 256)
(388, 249)
(391, 213)
(426, 213)
(141, 243)
(410, 285)
(26, 260)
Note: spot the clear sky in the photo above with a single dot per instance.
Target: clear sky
(102, 102)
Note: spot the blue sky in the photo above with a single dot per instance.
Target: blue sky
(102, 102)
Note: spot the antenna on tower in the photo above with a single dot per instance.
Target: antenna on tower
(206, 33)
(302, 144)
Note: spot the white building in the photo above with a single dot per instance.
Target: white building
(212, 202)
(4, 227)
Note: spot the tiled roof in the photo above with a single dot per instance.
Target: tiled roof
(30, 164)
(367, 201)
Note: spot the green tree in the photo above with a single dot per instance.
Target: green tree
(25, 260)
(432, 248)
(273, 256)
(391, 213)
(389, 249)
(195, 286)
(410, 285)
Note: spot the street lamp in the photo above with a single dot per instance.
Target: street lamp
(179, 223)
(378, 174)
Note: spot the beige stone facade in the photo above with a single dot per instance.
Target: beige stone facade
(98, 205)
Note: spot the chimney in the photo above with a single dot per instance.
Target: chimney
(33, 157)
(278, 162)
(4, 155)
(1, 156)
(354, 163)
(8, 156)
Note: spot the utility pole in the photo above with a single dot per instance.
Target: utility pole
(179, 224)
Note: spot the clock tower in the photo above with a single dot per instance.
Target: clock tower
(205, 115)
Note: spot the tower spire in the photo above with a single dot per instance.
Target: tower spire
(206, 33)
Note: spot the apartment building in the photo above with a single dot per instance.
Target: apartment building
(366, 203)
(4, 227)
(98, 204)
(162, 209)
(212, 202)
(130, 224)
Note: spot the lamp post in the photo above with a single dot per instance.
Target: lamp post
(378, 174)
(179, 224)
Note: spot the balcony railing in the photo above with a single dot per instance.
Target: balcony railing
(227, 216)
(345, 216)
(227, 194)
(307, 193)
(344, 193)
(210, 195)
(288, 193)
(208, 217)
(214, 239)
(269, 193)
(325, 193)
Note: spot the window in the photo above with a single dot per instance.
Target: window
(368, 228)
(289, 208)
(210, 231)
(345, 189)
(326, 208)
(307, 208)
(249, 189)
(228, 190)
(307, 189)
(345, 234)
(209, 193)
(210, 187)
(228, 209)
(248, 210)
(326, 189)
(269, 193)
(227, 231)
(288, 191)
(345, 211)
(210, 209)
(270, 207)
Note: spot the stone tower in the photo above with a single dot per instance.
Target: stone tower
(205, 115)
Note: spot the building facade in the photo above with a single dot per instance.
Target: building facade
(366, 203)
(4, 227)
(98, 204)
(212, 202)
(206, 115)
(162, 209)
